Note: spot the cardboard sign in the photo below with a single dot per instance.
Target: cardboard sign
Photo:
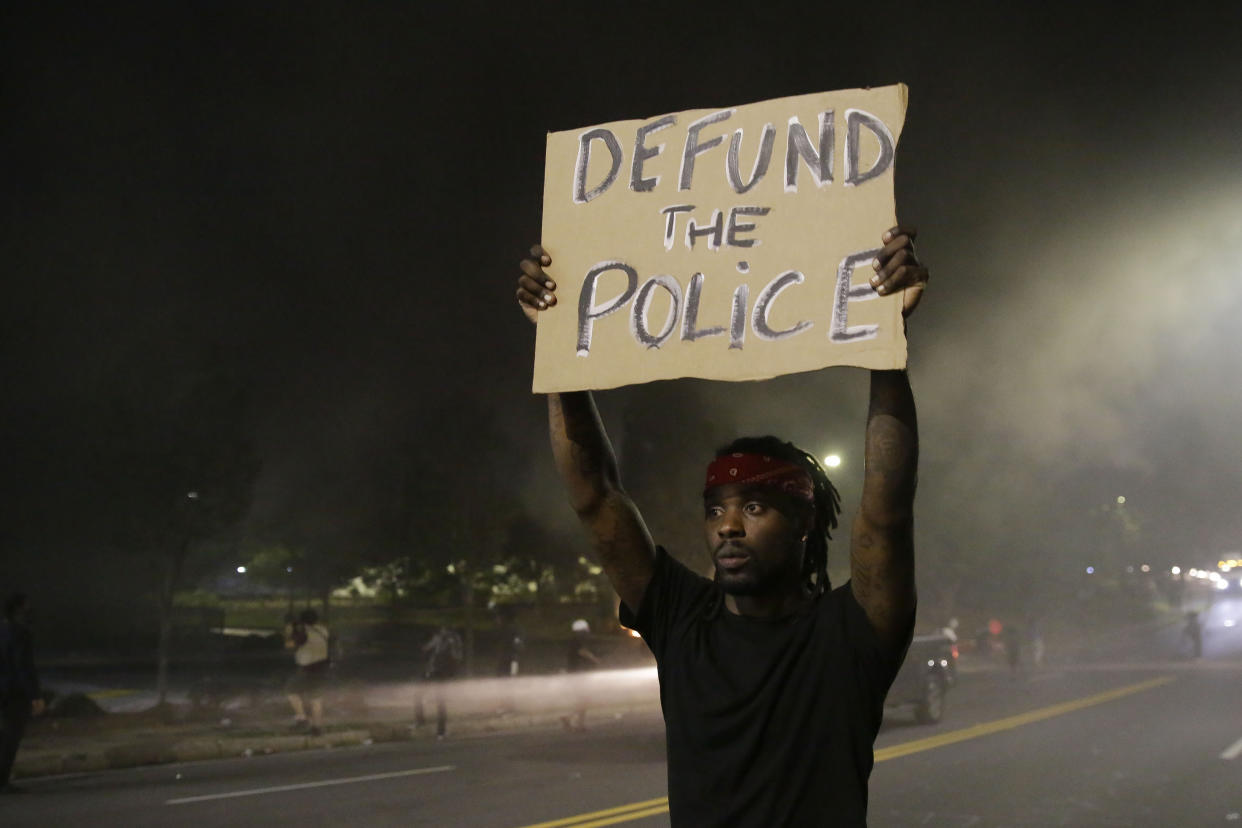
(726, 244)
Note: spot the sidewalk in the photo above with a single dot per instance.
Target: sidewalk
(353, 717)
(355, 714)
(161, 744)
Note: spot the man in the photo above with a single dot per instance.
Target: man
(1012, 640)
(446, 656)
(20, 696)
(579, 659)
(508, 661)
(1193, 633)
(772, 684)
(310, 642)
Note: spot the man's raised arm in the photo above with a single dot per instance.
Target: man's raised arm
(588, 465)
(882, 542)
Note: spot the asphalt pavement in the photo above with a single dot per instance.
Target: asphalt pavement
(1127, 740)
(1101, 745)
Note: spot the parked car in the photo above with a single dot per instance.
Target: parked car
(927, 674)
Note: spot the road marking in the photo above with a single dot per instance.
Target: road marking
(301, 786)
(610, 816)
(1232, 751)
(630, 816)
(1185, 665)
(652, 807)
(1039, 714)
(110, 694)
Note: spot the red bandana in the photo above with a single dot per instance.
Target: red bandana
(760, 470)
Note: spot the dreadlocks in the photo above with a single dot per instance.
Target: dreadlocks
(827, 501)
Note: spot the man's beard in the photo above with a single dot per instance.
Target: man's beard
(745, 584)
(752, 580)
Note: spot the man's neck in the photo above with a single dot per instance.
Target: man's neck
(771, 605)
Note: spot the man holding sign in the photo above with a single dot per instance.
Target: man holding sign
(772, 683)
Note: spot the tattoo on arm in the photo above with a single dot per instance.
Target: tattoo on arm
(892, 448)
(861, 571)
(585, 460)
(580, 445)
(882, 546)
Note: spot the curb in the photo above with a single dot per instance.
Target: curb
(155, 750)
(162, 751)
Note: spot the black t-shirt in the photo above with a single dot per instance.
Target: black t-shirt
(769, 723)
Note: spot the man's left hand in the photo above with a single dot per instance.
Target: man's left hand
(37, 707)
(897, 268)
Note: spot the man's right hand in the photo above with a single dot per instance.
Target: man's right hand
(535, 290)
(37, 707)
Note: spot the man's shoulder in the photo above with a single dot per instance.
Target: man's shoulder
(675, 592)
(668, 564)
(678, 577)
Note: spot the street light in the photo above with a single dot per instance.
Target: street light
(832, 460)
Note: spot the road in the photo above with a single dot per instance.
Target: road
(1105, 745)
(1129, 742)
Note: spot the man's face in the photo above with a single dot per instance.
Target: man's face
(755, 537)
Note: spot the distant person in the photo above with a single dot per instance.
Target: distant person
(579, 659)
(310, 642)
(983, 642)
(949, 630)
(1035, 636)
(1193, 634)
(509, 658)
(20, 695)
(772, 683)
(1011, 636)
(443, 663)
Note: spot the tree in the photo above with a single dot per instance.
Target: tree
(183, 469)
(319, 538)
(450, 502)
(273, 565)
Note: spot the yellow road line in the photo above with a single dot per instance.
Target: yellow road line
(660, 804)
(626, 817)
(110, 694)
(652, 807)
(942, 739)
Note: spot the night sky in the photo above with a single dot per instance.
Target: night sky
(331, 199)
